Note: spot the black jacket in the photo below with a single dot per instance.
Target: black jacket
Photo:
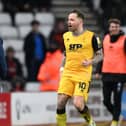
(3, 65)
(29, 46)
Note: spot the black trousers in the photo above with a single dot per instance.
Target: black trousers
(113, 104)
(32, 69)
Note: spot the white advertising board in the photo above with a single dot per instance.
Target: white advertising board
(33, 108)
(40, 108)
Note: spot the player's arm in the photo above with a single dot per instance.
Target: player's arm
(63, 62)
(98, 55)
(64, 58)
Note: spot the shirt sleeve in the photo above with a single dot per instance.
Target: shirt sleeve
(96, 44)
(99, 67)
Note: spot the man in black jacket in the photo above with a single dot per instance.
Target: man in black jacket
(3, 65)
(35, 51)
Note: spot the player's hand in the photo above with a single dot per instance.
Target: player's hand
(61, 71)
(97, 76)
(87, 62)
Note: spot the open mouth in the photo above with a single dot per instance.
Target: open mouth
(69, 26)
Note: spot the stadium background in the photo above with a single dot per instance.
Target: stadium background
(15, 18)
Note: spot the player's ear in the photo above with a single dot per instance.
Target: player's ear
(81, 21)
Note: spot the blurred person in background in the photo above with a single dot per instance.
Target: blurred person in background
(14, 68)
(82, 50)
(40, 5)
(14, 6)
(3, 64)
(49, 73)
(3, 67)
(34, 6)
(113, 68)
(18, 84)
(35, 50)
(57, 33)
(11, 7)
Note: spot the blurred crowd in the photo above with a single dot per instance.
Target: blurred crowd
(26, 5)
(42, 60)
(14, 6)
(108, 8)
(41, 52)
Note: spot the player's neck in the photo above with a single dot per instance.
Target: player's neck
(78, 31)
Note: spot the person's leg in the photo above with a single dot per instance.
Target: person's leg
(107, 93)
(61, 106)
(117, 89)
(30, 70)
(37, 65)
(65, 91)
(28, 67)
(83, 109)
(80, 99)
